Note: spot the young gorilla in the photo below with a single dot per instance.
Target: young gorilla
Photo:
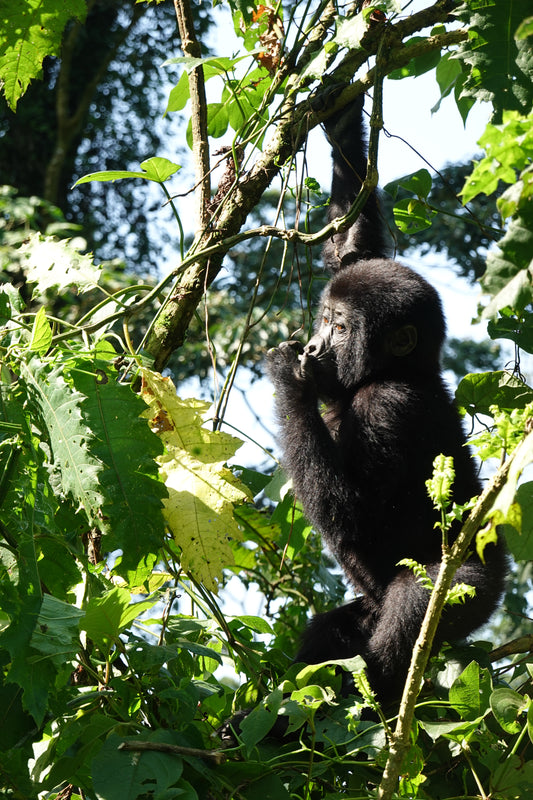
(363, 412)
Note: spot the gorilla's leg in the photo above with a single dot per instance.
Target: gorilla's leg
(341, 633)
(390, 647)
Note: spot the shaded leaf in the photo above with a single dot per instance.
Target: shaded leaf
(127, 774)
(477, 393)
(520, 543)
(126, 449)
(501, 66)
(507, 706)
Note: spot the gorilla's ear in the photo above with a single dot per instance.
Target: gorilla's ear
(403, 341)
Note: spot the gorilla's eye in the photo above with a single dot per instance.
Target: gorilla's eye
(340, 327)
(325, 320)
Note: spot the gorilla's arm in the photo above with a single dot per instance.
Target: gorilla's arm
(367, 238)
(310, 455)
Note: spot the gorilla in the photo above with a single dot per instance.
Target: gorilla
(363, 412)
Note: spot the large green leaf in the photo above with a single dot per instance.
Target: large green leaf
(101, 454)
(509, 276)
(57, 409)
(125, 775)
(501, 62)
(125, 448)
(476, 393)
(30, 31)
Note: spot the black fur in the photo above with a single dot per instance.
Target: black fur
(363, 412)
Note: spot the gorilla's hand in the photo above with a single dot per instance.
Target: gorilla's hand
(290, 371)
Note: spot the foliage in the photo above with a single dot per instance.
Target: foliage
(97, 107)
(120, 518)
(462, 233)
(29, 33)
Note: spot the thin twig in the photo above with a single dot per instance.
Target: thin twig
(218, 756)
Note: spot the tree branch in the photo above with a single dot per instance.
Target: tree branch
(200, 143)
(524, 644)
(217, 756)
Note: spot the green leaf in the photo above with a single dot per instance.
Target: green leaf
(15, 723)
(515, 295)
(219, 65)
(509, 149)
(470, 692)
(501, 66)
(261, 719)
(41, 334)
(412, 216)
(518, 330)
(58, 415)
(30, 31)
(477, 393)
(56, 635)
(257, 624)
(179, 95)
(520, 543)
(217, 119)
(418, 183)
(154, 169)
(507, 706)
(107, 616)
(127, 774)
(509, 275)
(295, 529)
(447, 72)
(125, 448)
(417, 65)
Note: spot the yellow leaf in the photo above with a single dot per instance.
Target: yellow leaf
(202, 490)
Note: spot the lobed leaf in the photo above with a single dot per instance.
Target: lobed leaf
(499, 54)
(126, 449)
(202, 491)
(58, 416)
(30, 31)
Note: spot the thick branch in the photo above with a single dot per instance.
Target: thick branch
(400, 740)
(200, 142)
(524, 644)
